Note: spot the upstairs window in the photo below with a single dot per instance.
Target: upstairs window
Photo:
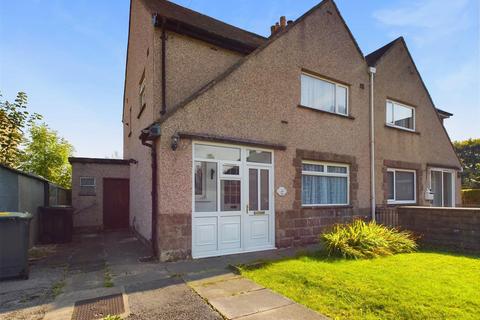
(400, 115)
(323, 95)
(141, 96)
(87, 186)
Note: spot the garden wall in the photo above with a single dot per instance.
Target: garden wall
(448, 228)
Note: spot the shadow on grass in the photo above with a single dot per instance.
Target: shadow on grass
(323, 256)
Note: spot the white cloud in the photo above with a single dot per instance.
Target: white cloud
(426, 21)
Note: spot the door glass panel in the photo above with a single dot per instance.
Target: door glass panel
(230, 195)
(447, 189)
(231, 170)
(205, 186)
(215, 152)
(259, 156)
(264, 190)
(436, 185)
(404, 185)
(253, 189)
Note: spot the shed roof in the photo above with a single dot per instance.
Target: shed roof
(98, 160)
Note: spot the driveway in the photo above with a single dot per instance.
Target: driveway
(108, 264)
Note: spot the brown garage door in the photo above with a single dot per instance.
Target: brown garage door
(115, 203)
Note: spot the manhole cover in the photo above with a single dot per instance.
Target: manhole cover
(98, 308)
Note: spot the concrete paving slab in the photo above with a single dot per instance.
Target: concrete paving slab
(226, 288)
(249, 303)
(205, 279)
(290, 312)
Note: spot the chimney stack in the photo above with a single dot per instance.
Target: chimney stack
(280, 26)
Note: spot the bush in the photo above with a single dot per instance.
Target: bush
(366, 240)
(471, 197)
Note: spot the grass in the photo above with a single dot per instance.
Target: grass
(110, 317)
(423, 285)
(107, 277)
(57, 288)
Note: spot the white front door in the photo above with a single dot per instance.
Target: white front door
(258, 222)
(232, 208)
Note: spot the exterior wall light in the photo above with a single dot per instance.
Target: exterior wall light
(175, 140)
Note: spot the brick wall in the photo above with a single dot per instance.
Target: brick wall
(449, 228)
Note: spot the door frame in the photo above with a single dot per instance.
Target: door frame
(454, 177)
(243, 199)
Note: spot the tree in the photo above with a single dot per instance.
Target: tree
(46, 154)
(469, 153)
(14, 120)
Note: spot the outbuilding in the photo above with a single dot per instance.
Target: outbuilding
(100, 193)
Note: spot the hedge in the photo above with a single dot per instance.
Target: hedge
(471, 197)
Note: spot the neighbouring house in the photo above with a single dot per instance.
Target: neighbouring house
(25, 192)
(239, 143)
(100, 194)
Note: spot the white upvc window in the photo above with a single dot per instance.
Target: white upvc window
(322, 94)
(325, 184)
(401, 186)
(400, 116)
(442, 185)
(87, 186)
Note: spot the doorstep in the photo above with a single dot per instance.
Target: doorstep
(238, 298)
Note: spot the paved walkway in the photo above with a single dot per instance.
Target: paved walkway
(103, 264)
(238, 298)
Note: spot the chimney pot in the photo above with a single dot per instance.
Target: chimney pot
(289, 22)
(283, 22)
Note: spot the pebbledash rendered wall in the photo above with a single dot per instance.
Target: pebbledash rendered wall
(443, 228)
(88, 208)
(265, 107)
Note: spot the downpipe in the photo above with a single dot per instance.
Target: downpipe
(372, 72)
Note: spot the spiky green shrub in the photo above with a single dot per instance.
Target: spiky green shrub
(360, 240)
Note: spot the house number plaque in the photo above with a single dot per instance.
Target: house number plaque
(281, 191)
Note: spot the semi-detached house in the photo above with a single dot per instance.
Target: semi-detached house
(242, 143)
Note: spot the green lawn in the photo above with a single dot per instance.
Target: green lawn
(405, 286)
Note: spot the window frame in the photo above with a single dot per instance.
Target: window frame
(394, 201)
(336, 85)
(94, 185)
(443, 170)
(393, 125)
(325, 173)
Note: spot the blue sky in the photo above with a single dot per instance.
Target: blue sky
(69, 56)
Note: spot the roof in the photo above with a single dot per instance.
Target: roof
(372, 58)
(195, 24)
(98, 160)
(26, 174)
(444, 114)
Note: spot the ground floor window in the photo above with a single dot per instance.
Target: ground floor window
(401, 186)
(325, 184)
(442, 187)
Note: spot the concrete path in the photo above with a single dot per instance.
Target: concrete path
(97, 265)
(238, 298)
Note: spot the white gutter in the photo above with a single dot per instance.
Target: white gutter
(372, 72)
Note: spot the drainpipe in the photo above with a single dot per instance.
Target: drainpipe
(153, 153)
(372, 72)
(164, 69)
